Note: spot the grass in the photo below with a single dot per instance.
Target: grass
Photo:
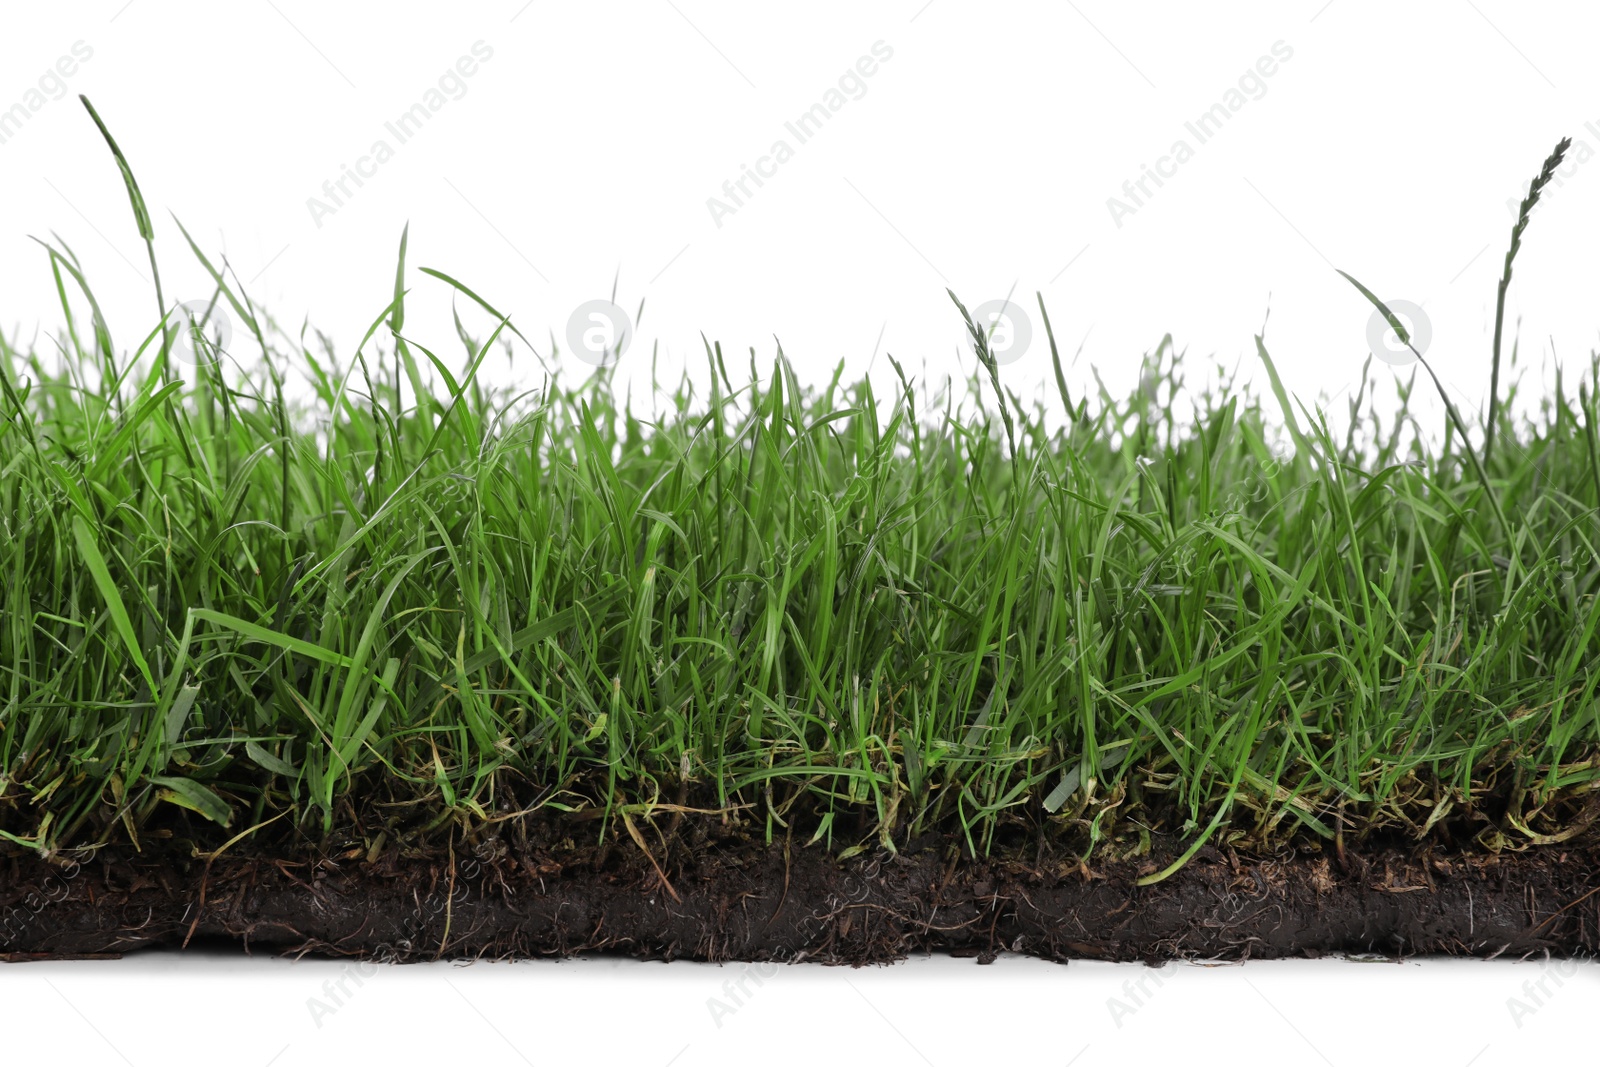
(831, 613)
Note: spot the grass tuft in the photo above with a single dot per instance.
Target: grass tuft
(823, 611)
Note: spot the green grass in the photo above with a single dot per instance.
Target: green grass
(831, 613)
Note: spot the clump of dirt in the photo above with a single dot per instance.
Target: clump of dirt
(718, 895)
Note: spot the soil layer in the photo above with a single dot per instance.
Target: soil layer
(727, 898)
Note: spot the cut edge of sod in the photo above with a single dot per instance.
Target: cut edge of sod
(843, 620)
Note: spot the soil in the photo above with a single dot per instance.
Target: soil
(715, 894)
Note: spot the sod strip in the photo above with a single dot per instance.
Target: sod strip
(278, 617)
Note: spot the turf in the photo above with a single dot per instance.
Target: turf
(843, 613)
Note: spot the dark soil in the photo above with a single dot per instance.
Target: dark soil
(716, 895)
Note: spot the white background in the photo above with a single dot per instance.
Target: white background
(178, 1010)
(980, 156)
